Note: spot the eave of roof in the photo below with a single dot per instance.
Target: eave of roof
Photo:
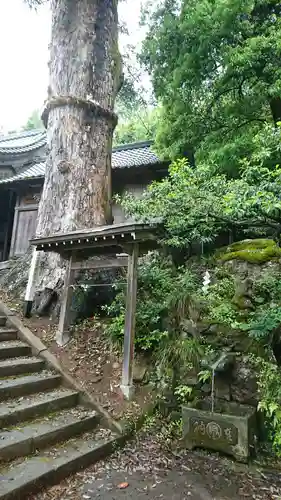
(29, 140)
(24, 142)
(36, 171)
(127, 156)
(109, 239)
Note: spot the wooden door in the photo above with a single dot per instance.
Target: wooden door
(24, 230)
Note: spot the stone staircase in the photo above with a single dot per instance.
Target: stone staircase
(46, 432)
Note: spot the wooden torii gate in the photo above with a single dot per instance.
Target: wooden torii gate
(120, 245)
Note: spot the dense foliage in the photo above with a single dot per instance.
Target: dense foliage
(269, 385)
(139, 126)
(34, 121)
(155, 280)
(215, 67)
(202, 205)
(197, 205)
(186, 326)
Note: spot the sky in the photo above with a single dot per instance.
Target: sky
(24, 55)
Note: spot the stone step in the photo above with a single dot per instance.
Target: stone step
(29, 384)
(3, 320)
(25, 440)
(17, 366)
(14, 349)
(20, 409)
(48, 467)
(8, 334)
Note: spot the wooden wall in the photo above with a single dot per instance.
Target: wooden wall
(7, 205)
(25, 217)
(24, 222)
(26, 209)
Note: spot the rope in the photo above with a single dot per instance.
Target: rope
(98, 284)
(91, 105)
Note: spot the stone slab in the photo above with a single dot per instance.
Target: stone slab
(7, 336)
(13, 349)
(51, 466)
(25, 440)
(5, 264)
(17, 366)
(3, 320)
(20, 386)
(19, 409)
(139, 372)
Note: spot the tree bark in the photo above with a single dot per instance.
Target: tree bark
(275, 106)
(85, 75)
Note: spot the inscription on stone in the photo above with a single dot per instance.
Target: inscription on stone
(211, 430)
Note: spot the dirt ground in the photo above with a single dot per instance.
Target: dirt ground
(95, 365)
(149, 470)
(91, 361)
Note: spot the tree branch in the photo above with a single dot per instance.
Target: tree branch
(220, 94)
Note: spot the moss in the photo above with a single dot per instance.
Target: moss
(255, 251)
(251, 244)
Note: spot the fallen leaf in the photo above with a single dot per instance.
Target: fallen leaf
(122, 486)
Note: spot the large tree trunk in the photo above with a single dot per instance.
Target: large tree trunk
(85, 75)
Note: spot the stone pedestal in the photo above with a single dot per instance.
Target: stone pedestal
(232, 433)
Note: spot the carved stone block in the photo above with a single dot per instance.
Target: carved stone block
(232, 433)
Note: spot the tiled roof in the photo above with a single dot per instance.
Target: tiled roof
(34, 172)
(134, 155)
(127, 156)
(23, 142)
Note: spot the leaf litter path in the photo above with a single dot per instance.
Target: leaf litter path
(148, 470)
(146, 464)
(91, 360)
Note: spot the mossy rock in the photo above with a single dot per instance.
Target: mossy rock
(251, 244)
(242, 302)
(255, 251)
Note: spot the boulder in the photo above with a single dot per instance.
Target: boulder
(140, 369)
(254, 251)
(244, 388)
(222, 390)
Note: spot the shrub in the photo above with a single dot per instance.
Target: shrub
(263, 324)
(269, 387)
(155, 282)
(268, 286)
(219, 303)
(163, 295)
(178, 352)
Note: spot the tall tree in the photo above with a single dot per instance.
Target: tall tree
(85, 75)
(34, 121)
(216, 68)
